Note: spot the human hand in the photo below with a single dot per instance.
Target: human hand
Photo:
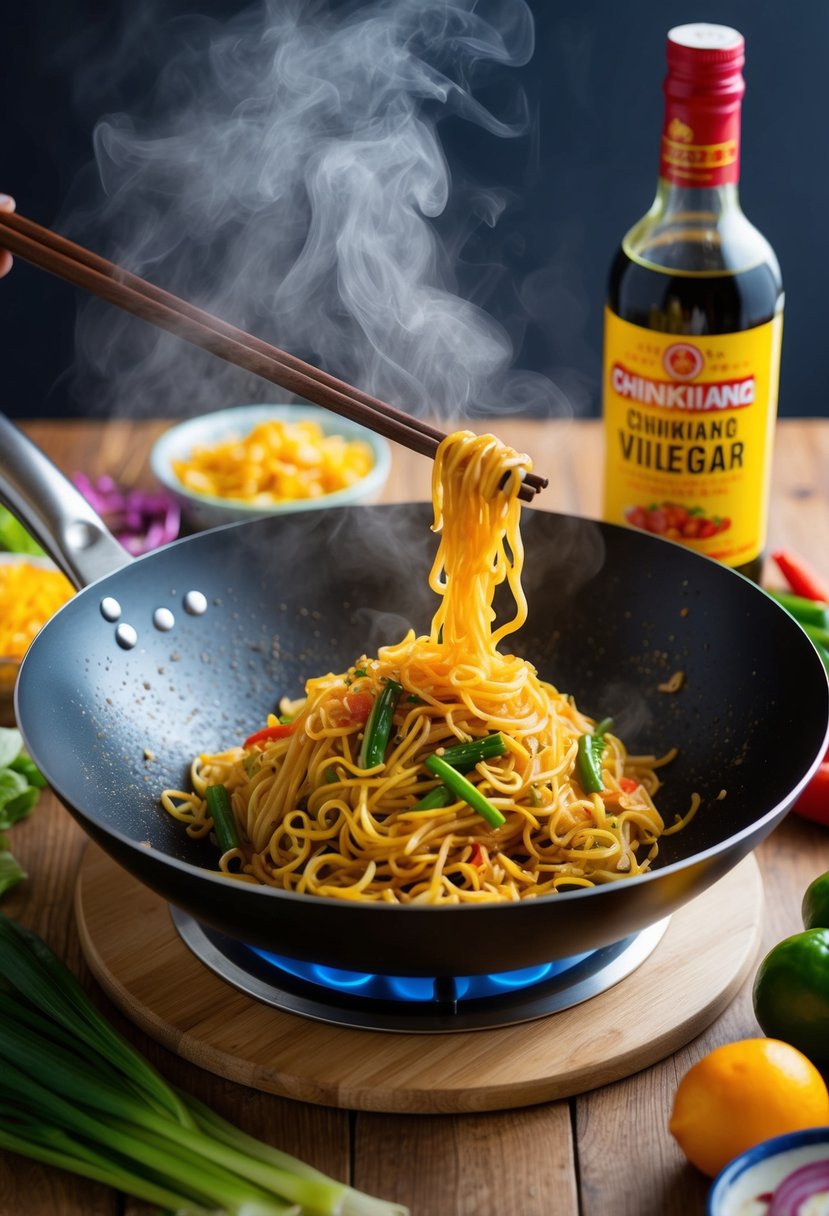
(6, 204)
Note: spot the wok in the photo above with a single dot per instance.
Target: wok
(613, 614)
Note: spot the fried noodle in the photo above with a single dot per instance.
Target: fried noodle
(311, 819)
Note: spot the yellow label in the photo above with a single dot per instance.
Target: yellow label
(688, 432)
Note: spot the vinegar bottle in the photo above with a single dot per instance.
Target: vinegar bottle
(693, 324)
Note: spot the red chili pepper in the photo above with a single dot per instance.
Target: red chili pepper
(813, 803)
(476, 857)
(280, 731)
(801, 577)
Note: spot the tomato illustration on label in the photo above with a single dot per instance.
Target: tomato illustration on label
(676, 521)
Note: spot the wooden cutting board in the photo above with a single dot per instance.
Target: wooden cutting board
(135, 953)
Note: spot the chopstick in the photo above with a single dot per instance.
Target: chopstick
(83, 268)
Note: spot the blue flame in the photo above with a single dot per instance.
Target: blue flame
(416, 988)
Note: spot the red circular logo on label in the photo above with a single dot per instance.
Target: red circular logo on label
(683, 361)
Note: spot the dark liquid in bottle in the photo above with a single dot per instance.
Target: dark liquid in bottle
(695, 305)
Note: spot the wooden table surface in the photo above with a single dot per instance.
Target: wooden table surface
(607, 1151)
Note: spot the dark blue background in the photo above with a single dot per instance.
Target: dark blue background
(576, 182)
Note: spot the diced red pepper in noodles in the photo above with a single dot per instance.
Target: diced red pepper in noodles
(280, 731)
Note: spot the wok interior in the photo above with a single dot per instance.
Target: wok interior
(613, 614)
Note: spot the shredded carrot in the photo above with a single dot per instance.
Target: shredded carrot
(29, 596)
(277, 461)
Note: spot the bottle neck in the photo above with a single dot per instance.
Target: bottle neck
(712, 202)
(700, 146)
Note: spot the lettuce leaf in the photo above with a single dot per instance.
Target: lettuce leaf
(14, 537)
(20, 784)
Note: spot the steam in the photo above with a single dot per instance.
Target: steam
(285, 172)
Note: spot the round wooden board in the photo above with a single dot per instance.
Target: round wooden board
(135, 953)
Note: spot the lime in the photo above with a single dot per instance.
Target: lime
(815, 907)
(791, 993)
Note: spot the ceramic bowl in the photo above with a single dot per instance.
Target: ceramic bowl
(207, 511)
(738, 1190)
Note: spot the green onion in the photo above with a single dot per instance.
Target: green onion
(441, 795)
(221, 812)
(467, 755)
(462, 756)
(589, 758)
(74, 1094)
(465, 790)
(378, 726)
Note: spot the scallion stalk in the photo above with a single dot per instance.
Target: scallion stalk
(441, 795)
(589, 752)
(378, 726)
(461, 756)
(29, 966)
(221, 812)
(52, 1146)
(74, 1094)
(467, 755)
(465, 790)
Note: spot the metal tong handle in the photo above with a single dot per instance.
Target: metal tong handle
(54, 511)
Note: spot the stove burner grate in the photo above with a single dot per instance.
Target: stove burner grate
(407, 1004)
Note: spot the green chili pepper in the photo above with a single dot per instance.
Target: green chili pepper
(813, 618)
(464, 789)
(820, 645)
(589, 757)
(378, 726)
(819, 636)
(808, 612)
(224, 825)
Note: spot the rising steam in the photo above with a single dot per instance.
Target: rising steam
(285, 172)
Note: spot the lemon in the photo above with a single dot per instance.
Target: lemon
(741, 1094)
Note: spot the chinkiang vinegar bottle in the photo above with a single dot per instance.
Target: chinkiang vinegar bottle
(693, 324)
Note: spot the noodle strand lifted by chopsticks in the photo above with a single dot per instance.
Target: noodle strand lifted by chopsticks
(314, 816)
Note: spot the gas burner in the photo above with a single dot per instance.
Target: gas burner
(407, 1004)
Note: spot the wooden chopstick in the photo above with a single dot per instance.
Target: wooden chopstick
(62, 257)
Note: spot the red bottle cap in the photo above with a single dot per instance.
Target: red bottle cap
(703, 93)
(705, 49)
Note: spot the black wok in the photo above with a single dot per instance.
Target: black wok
(613, 613)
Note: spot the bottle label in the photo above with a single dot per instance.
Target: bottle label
(688, 430)
(700, 145)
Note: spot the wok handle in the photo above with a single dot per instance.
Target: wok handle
(56, 514)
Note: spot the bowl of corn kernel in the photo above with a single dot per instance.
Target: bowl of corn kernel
(31, 591)
(252, 460)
